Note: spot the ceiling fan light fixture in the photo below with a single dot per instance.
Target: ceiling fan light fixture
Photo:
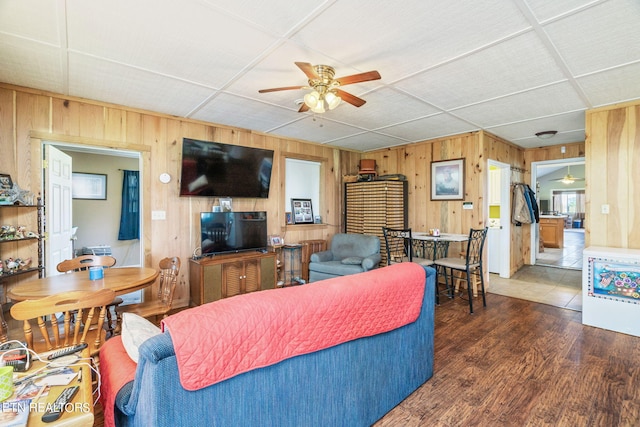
(332, 99)
(312, 99)
(546, 134)
(568, 180)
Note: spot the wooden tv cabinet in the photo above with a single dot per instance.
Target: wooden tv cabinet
(222, 276)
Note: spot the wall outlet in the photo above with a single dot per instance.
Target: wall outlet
(605, 209)
(158, 215)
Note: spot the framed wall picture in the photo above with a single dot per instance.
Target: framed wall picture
(275, 240)
(90, 186)
(302, 211)
(447, 180)
(6, 183)
(226, 205)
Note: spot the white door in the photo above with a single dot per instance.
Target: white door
(58, 208)
(500, 236)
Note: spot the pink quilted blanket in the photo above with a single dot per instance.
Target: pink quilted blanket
(225, 338)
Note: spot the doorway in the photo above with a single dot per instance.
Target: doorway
(94, 223)
(498, 235)
(561, 200)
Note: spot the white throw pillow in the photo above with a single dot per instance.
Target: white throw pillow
(135, 331)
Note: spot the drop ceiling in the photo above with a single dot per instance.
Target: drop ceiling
(510, 67)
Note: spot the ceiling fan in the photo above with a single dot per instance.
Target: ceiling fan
(326, 89)
(568, 178)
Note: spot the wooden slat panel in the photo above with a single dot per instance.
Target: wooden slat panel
(231, 279)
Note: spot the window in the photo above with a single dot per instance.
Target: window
(569, 202)
(302, 181)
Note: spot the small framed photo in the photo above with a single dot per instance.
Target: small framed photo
(225, 205)
(275, 240)
(447, 180)
(89, 186)
(288, 217)
(302, 211)
(6, 183)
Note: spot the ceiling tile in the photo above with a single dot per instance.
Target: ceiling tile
(429, 127)
(261, 13)
(527, 129)
(199, 49)
(612, 86)
(383, 108)
(548, 9)
(96, 79)
(542, 102)
(243, 113)
(42, 15)
(316, 128)
(31, 64)
(514, 65)
(560, 138)
(603, 36)
(398, 39)
(368, 141)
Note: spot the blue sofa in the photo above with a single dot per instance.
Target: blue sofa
(349, 253)
(351, 384)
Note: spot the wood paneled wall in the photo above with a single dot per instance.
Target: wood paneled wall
(612, 153)
(414, 161)
(613, 150)
(29, 116)
(572, 150)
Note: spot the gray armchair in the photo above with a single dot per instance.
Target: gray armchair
(348, 254)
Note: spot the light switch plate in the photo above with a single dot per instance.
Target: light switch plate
(605, 209)
(158, 215)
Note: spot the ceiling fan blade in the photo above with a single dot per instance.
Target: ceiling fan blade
(573, 178)
(304, 107)
(357, 78)
(275, 89)
(308, 70)
(351, 99)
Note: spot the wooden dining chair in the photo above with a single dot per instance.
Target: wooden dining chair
(82, 263)
(169, 270)
(76, 324)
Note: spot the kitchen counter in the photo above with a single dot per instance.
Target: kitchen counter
(552, 230)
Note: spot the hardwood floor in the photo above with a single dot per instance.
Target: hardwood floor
(521, 363)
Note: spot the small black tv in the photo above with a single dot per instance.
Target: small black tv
(228, 232)
(214, 169)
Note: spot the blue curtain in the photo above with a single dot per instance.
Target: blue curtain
(130, 213)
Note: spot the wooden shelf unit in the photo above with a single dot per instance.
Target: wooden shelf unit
(12, 215)
(371, 205)
(223, 276)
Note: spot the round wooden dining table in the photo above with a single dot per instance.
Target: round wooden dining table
(122, 280)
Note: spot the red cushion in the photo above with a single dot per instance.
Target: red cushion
(116, 369)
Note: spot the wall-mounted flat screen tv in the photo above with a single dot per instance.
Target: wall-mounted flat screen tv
(214, 169)
(224, 232)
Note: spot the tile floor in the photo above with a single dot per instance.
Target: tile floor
(556, 279)
(570, 256)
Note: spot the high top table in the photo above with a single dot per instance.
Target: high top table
(121, 280)
(440, 243)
